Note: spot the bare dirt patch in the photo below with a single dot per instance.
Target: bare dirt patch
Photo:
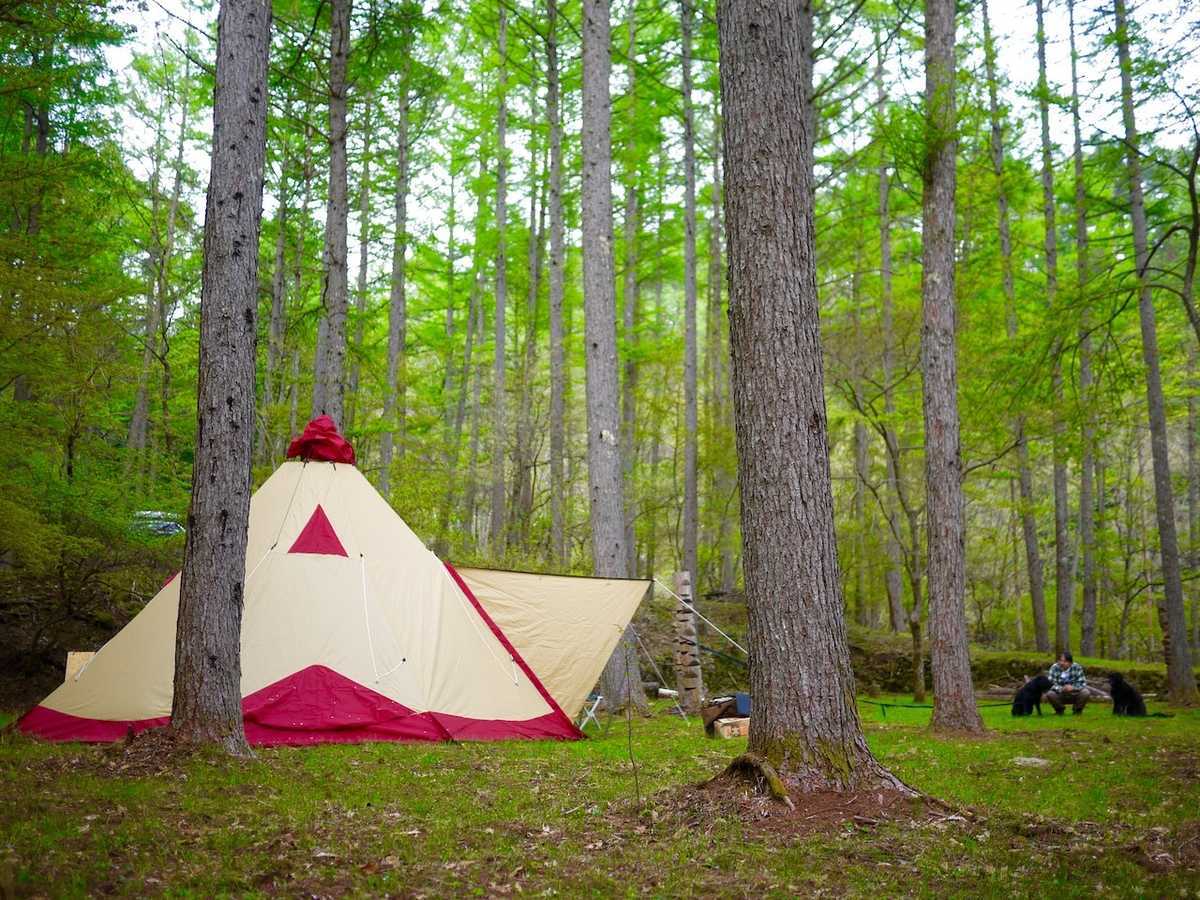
(730, 797)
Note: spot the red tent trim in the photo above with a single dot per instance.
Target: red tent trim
(317, 706)
(512, 651)
(318, 537)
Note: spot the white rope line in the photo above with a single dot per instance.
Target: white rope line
(701, 616)
(472, 615)
(654, 666)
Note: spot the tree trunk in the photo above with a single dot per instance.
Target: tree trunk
(207, 702)
(622, 677)
(805, 721)
(953, 696)
(499, 391)
(329, 385)
(1063, 582)
(724, 479)
(1033, 557)
(629, 297)
(691, 503)
(276, 325)
(1181, 680)
(521, 514)
(557, 260)
(394, 396)
(1087, 528)
(364, 246)
(893, 577)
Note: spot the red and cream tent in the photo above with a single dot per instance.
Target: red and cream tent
(353, 630)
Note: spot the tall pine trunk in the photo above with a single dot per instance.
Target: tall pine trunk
(691, 502)
(805, 722)
(629, 308)
(1033, 556)
(1063, 582)
(621, 681)
(364, 247)
(953, 696)
(1181, 680)
(394, 405)
(557, 261)
(329, 385)
(499, 389)
(207, 702)
(1087, 515)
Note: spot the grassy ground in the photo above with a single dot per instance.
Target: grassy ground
(1116, 814)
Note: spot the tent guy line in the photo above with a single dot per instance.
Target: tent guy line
(701, 616)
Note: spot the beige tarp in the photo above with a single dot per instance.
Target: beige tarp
(565, 627)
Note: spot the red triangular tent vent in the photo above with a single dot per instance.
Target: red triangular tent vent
(318, 536)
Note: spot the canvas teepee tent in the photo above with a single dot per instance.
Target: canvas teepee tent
(353, 631)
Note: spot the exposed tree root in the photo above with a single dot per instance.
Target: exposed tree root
(761, 774)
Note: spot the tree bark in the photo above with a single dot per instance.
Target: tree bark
(394, 399)
(893, 577)
(1033, 557)
(724, 480)
(207, 702)
(629, 310)
(329, 386)
(805, 721)
(1181, 680)
(622, 677)
(499, 390)
(691, 500)
(557, 260)
(1087, 516)
(1063, 582)
(277, 322)
(364, 247)
(953, 696)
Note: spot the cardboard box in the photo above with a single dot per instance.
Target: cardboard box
(731, 728)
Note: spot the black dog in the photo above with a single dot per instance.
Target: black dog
(1030, 696)
(1125, 697)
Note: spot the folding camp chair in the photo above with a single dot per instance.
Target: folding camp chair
(589, 710)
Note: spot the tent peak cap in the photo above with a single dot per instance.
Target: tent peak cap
(321, 442)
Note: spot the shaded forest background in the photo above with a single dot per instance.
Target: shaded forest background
(462, 375)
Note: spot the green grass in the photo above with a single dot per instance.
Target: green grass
(538, 818)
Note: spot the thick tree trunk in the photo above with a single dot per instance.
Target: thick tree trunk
(805, 721)
(1181, 680)
(207, 701)
(622, 677)
(1087, 516)
(557, 261)
(953, 696)
(499, 389)
(394, 397)
(329, 386)
(1063, 582)
(1033, 557)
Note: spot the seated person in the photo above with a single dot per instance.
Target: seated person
(1067, 685)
